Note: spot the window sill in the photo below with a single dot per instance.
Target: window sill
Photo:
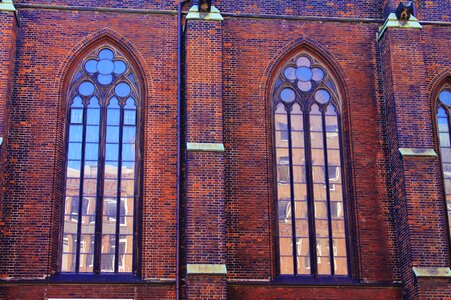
(91, 278)
(315, 280)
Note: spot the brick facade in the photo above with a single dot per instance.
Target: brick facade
(387, 85)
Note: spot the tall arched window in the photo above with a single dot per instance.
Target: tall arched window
(443, 127)
(308, 156)
(101, 181)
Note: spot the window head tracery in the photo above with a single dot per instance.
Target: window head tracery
(312, 234)
(101, 176)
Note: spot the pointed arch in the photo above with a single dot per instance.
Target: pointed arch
(103, 94)
(440, 91)
(306, 99)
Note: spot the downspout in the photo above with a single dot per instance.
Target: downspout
(179, 149)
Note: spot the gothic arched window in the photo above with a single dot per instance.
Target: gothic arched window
(443, 127)
(101, 176)
(309, 166)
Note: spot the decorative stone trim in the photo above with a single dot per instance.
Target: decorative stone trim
(432, 272)
(206, 269)
(205, 147)
(417, 152)
(393, 22)
(7, 5)
(213, 15)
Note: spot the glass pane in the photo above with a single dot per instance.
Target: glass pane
(126, 226)
(122, 89)
(109, 224)
(111, 169)
(301, 210)
(92, 134)
(68, 262)
(302, 228)
(318, 175)
(73, 168)
(341, 266)
(125, 263)
(107, 263)
(72, 187)
(129, 117)
(338, 228)
(110, 208)
(91, 151)
(110, 188)
(316, 123)
(128, 152)
(108, 244)
(112, 152)
(443, 124)
(76, 116)
(113, 116)
(299, 174)
(127, 206)
(93, 116)
(128, 170)
(285, 246)
(445, 154)
(112, 134)
(90, 169)
(74, 151)
(286, 265)
(129, 134)
(86, 263)
(127, 188)
(130, 103)
(444, 139)
(75, 133)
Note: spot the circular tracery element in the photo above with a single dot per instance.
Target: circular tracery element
(303, 77)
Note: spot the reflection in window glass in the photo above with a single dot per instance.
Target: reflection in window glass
(309, 171)
(443, 128)
(101, 164)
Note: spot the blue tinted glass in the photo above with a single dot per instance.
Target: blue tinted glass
(86, 88)
(92, 133)
(331, 110)
(122, 89)
(91, 151)
(112, 134)
(105, 79)
(130, 103)
(441, 113)
(113, 116)
(112, 152)
(76, 116)
(443, 124)
(75, 133)
(128, 152)
(132, 78)
(106, 54)
(304, 73)
(73, 168)
(77, 102)
(91, 66)
(129, 133)
(114, 103)
(93, 116)
(445, 97)
(129, 117)
(105, 67)
(322, 96)
(94, 102)
(74, 151)
(119, 67)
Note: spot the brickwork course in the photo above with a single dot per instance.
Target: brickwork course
(224, 243)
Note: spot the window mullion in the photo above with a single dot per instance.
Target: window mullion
(326, 175)
(99, 196)
(293, 214)
(80, 198)
(118, 196)
(310, 194)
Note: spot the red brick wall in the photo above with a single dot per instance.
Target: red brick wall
(249, 210)
(35, 147)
